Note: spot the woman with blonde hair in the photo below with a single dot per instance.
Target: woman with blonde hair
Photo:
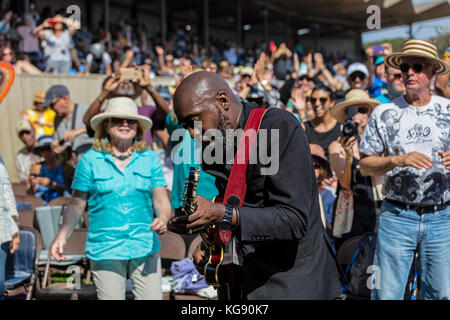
(123, 182)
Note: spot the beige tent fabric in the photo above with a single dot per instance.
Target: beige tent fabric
(83, 89)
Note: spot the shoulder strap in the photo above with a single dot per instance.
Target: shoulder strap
(74, 116)
(237, 182)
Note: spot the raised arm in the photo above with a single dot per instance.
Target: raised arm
(110, 86)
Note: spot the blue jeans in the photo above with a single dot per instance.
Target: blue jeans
(400, 233)
(4, 249)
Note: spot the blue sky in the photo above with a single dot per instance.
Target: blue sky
(421, 30)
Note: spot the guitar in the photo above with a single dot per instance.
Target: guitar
(225, 277)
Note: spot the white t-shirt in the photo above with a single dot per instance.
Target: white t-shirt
(58, 48)
(398, 128)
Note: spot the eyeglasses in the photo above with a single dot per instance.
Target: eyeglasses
(322, 100)
(417, 67)
(357, 74)
(117, 121)
(23, 132)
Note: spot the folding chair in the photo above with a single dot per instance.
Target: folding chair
(68, 291)
(22, 269)
(49, 219)
(32, 200)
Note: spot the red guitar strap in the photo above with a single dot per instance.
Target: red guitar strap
(237, 182)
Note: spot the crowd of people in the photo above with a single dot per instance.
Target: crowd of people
(380, 166)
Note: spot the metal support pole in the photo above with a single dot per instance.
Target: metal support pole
(206, 24)
(266, 26)
(106, 12)
(287, 29)
(163, 22)
(238, 22)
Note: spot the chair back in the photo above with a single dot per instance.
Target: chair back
(172, 246)
(49, 219)
(26, 218)
(347, 249)
(19, 189)
(194, 244)
(32, 200)
(24, 259)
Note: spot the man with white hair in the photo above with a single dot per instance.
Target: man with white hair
(404, 142)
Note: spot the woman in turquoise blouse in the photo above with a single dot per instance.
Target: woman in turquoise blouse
(122, 182)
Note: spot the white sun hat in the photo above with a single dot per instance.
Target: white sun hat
(123, 108)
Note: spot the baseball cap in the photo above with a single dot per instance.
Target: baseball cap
(247, 70)
(55, 91)
(379, 60)
(23, 125)
(42, 142)
(357, 66)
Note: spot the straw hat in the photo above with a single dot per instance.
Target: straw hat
(355, 97)
(318, 152)
(39, 96)
(120, 107)
(419, 49)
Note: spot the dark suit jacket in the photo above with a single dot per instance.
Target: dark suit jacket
(281, 235)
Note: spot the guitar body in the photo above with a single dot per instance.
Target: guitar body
(226, 278)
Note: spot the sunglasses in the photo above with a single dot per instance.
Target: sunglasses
(23, 132)
(417, 67)
(7, 53)
(396, 76)
(322, 100)
(304, 77)
(363, 110)
(357, 74)
(35, 175)
(117, 121)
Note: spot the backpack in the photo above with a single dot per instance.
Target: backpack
(357, 272)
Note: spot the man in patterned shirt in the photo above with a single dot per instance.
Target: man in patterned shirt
(407, 141)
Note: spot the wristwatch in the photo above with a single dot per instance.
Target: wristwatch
(264, 82)
(226, 223)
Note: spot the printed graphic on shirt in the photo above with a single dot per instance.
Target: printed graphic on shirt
(397, 128)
